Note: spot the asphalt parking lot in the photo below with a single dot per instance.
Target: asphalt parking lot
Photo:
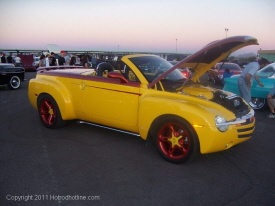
(85, 165)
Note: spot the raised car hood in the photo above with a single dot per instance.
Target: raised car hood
(209, 55)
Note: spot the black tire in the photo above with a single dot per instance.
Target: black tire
(49, 112)
(14, 82)
(176, 140)
(258, 103)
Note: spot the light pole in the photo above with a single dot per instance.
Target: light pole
(226, 30)
(176, 45)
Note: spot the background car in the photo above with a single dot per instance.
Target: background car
(185, 71)
(27, 62)
(215, 74)
(35, 61)
(258, 93)
(11, 75)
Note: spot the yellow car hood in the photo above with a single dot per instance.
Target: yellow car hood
(209, 55)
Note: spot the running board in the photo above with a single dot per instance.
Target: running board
(110, 128)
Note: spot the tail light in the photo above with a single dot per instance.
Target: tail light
(185, 73)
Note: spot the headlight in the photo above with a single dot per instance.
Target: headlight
(220, 123)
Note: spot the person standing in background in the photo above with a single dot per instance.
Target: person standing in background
(246, 78)
(72, 61)
(61, 60)
(52, 59)
(9, 59)
(17, 60)
(271, 102)
(94, 61)
(3, 58)
(47, 60)
(42, 61)
(66, 57)
(77, 61)
(226, 74)
(84, 61)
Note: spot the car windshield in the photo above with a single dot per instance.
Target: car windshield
(151, 67)
(268, 71)
(229, 66)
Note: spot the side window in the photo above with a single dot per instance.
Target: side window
(266, 72)
(132, 76)
(129, 74)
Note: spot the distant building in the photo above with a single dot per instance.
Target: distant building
(268, 54)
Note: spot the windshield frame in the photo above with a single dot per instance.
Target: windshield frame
(267, 71)
(151, 67)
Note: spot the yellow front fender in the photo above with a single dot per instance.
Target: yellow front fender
(150, 109)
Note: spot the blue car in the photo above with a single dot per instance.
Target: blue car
(258, 93)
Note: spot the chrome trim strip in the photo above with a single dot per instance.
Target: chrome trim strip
(110, 128)
(231, 96)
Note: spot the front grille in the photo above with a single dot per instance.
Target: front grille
(250, 130)
(246, 129)
(245, 135)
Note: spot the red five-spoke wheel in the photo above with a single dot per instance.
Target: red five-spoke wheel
(176, 140)
(49, 112)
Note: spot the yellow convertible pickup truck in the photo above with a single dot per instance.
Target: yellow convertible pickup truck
(152, 99)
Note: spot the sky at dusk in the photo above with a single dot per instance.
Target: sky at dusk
(184, 26)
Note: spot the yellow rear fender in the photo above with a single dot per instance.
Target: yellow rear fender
(57, 90)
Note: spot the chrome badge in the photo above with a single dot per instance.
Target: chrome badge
(236, 102)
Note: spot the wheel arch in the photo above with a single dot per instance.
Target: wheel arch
(188, 109)
(65, 107)
(169, 116)
(58, 91)
(163, 117)
(49, 115)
